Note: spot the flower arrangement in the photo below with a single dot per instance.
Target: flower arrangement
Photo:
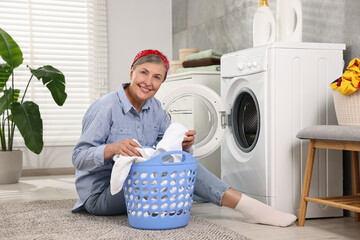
(350, 80)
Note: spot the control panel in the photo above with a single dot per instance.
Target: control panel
(244, 62)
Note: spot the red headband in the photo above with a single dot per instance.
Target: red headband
(150, 52)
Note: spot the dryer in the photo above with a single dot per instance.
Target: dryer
(267, 95)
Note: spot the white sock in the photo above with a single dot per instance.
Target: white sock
(255, 211)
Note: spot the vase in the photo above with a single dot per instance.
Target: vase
(10, 166)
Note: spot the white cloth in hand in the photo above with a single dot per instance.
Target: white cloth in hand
(172, 141)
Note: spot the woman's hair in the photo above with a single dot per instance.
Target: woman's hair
(153, 58)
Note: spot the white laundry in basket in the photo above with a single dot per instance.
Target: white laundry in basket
(171, 141)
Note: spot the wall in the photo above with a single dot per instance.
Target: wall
(132, 26)
(226, 26)
(50, 157)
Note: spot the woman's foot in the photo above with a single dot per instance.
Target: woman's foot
(258, 212)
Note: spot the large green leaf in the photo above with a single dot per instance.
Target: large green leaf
(12, 96)
(28, 120)
(9, 50)
(5, 73)
(54, 80)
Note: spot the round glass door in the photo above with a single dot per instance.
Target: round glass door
(196, 107)
(194, 112)
(246, 120)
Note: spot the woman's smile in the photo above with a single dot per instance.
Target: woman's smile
(144, 89)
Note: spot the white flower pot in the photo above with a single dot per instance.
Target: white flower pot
(10, 166)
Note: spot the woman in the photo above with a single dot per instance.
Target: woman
(132, 112)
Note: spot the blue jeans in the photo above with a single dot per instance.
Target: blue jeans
(207, 186)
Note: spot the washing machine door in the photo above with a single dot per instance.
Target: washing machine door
(200, 108)
(245, 120)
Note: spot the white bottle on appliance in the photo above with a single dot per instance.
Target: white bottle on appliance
(263, 25)
(288, 21)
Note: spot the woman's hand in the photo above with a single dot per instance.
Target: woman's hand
(188, 140)
(126, 147)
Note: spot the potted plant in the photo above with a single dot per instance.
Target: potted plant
(15, 112)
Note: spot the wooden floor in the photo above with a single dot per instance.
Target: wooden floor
(61, 187)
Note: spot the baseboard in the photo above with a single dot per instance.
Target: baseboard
(47, 171)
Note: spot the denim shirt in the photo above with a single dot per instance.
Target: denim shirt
(110, 119)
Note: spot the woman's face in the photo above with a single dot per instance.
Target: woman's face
(146, 79)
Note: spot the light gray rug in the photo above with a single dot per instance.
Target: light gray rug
(52, 219)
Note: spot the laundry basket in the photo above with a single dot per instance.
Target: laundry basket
(158, 194)
(347, 108)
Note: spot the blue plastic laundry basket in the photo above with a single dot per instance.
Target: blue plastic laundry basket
(159, 194)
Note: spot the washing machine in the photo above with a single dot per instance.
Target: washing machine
(267, 95)
(270, 93)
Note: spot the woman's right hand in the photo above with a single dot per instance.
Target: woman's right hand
(126, 147)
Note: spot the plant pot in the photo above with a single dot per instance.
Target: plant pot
(10, 166)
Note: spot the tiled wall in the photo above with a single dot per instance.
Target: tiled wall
(226, 25)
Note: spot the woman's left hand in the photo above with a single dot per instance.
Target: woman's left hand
(188, 140)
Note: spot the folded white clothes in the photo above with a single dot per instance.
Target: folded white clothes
(171, 141)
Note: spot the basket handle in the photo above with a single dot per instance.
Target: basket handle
(158, 159)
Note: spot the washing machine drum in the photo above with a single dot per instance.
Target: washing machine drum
(246, 120)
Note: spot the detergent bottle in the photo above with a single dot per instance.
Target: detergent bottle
(288, 20)
(263, 25)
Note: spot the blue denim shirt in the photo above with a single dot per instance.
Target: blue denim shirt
(110, 119)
